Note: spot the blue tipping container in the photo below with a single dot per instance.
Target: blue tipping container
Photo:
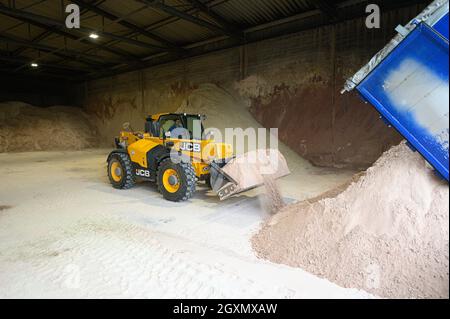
(410, 89)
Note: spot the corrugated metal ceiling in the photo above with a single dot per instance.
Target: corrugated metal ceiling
(160, 32)
(251, 13)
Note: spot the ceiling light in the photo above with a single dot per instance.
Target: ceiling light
(93, 36)
(34, 65)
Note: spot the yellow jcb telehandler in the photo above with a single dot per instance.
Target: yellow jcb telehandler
(174, 152)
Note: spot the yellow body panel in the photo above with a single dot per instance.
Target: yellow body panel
(201, 152)
(138, 151)
(207, 150)
(129, 137)
(201, 169)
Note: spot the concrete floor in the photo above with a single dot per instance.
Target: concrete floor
(65, 232)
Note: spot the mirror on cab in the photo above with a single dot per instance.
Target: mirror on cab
(126, 126)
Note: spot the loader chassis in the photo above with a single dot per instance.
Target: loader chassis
(147, 156)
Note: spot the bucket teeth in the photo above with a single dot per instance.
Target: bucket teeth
(228, 190)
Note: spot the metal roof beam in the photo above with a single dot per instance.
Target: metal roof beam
(169, 45)
(99, 46)
(157, 4)
(31, 44)
(47, 32)
(216, 17)
(55, 23)
(47, 74)
(162, 23)
(26, 60)
(63, 54)
(327, 8)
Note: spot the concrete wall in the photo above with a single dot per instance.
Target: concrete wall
(292, 83)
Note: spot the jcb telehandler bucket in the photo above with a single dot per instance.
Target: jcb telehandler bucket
(247, 171)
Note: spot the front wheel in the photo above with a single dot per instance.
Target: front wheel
(120, 171)
(176, 182)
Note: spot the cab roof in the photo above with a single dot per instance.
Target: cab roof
(155, 117)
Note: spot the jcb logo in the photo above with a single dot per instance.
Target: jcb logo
(190, 147)
(143, 173)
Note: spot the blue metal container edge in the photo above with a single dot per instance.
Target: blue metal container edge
(429, 156)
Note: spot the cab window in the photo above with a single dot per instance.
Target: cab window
(172, 124)
(194, 126)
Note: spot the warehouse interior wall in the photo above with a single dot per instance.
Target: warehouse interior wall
(291, 82)
(40, 92)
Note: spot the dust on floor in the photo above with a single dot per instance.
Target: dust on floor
(70, 234)
(388, 232)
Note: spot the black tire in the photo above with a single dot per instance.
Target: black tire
(127, 180)
(187, 180)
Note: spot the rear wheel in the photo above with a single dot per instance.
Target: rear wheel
(120, 171)
(176, 182)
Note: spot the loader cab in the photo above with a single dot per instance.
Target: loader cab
(179, 126)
